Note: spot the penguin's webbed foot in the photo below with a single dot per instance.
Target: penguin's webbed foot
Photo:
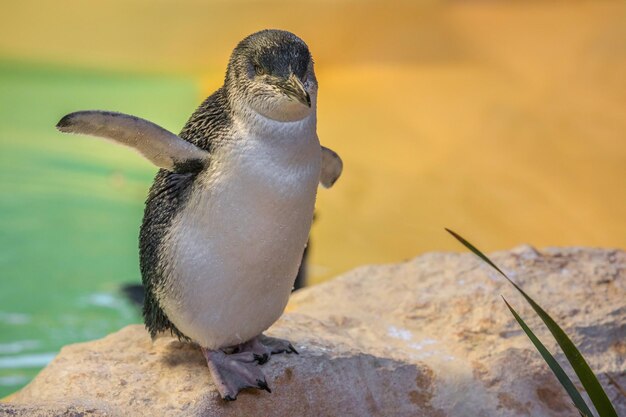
(262, 347)
(234, 372)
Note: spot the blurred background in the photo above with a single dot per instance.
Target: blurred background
(505, 121)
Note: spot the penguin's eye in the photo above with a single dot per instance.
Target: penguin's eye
(258, 70)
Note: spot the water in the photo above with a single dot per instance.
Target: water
(70, 209)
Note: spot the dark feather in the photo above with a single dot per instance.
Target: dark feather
(207, 128)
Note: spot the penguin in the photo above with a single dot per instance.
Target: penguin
(228, 216)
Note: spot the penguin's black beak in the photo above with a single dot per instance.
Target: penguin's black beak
(293, 87)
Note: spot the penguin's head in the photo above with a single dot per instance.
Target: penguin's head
(271, 72)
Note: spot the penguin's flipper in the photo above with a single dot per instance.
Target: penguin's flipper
(158, 145)
(331, 167)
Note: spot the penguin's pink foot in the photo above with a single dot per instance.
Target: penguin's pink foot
(234, 372)
(262, 347)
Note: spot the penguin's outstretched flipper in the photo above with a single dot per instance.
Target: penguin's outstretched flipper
(331, 167)
(158, 145)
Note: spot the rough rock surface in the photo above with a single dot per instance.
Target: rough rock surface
(429, 337)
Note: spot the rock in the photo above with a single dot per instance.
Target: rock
(429, 337)
(48, 411)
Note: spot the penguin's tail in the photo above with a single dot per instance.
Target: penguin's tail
(135, 293)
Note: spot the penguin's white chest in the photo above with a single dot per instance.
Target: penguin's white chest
(235, 248)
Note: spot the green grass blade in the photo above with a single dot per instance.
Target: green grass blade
(595, 391)
(554, 365)
(587, 378)
(476, 252)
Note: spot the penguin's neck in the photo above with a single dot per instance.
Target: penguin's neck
(274, 142)
(256, 124)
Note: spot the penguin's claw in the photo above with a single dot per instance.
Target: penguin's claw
(261, 359)
(263, 385)
(234, 372)
(263, 347)
(277, 345)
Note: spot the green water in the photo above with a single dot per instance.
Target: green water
(70, 209)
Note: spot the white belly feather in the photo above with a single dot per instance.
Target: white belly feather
(234, 250)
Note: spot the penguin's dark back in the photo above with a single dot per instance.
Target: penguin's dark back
(207, 128)
(209, 125)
